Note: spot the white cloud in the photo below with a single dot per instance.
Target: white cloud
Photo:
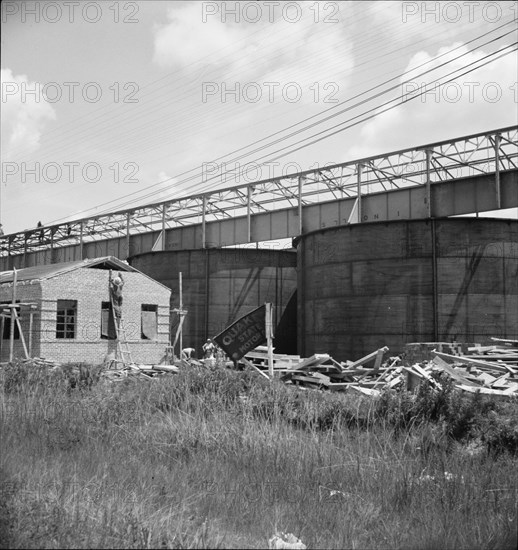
(280, 52)
(23, 117)
(485, 99)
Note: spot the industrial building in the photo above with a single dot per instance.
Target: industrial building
(364, 286)
(65, 312)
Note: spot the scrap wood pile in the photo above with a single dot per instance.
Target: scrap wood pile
(135, 370)
(366, 375)
(490, 370)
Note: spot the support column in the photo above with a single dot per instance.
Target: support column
(164, 214)
(203, 222)
(301, 227)
(25, 250)
(428, 184)
(497, 171)
(359, 192)
(81, 242)
(128, 218)
(249, 214)
(52, 231)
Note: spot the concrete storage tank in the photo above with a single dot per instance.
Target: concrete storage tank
(220, 285)
(364, 286)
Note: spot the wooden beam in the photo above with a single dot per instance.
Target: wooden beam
(13, 303)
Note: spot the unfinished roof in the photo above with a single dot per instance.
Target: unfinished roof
(41, 272)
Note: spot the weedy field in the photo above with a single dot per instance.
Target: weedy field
(224, 459)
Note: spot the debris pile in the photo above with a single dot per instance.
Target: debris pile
(322, 371)
(490, 370)
(136, 370)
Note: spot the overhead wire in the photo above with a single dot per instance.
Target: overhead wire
(145, 113)
(326, 131)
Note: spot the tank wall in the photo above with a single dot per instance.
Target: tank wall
(361, 287)
(221, 285)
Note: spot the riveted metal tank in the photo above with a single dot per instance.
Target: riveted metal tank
(219, 285)
(364, 286)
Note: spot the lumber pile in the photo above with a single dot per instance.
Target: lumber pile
(367, 375)
(489, 370)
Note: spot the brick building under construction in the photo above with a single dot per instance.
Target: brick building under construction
(65, 312)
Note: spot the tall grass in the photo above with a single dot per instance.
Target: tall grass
(209, 459)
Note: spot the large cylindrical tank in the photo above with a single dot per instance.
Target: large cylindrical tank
(364, 286)
(219, 285)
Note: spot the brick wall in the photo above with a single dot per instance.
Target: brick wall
(90, 287)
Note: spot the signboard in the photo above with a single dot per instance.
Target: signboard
(244, 335)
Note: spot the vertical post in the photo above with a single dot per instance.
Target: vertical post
(300, 206)
(164, 212)
(203, 222)
(128, 217)
(497, 171)
(52, 231)
(359, 192)
(428, 184)
(25, 250)
(180, 307)
(13, 304)
(269, 337)
(248, 215)
(81, 228)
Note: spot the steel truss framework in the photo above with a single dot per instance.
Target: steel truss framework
(488, 153)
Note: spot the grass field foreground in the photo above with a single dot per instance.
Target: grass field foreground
(219, 458)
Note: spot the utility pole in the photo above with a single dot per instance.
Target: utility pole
(269, 338)
(182, 313)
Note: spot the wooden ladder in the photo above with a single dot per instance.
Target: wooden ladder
(123, 351)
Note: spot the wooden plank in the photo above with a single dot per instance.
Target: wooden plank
(366, 391)
(253, 367)
(166, 368)
(506, 340)
(314, 360)
(476, 362)
(367, 358)
(455, 374)
(486, 391)
(308, 379)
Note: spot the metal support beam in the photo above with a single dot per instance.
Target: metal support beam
(204, 222)
(52, 231)
(428, 197)
(128, 234)
(497, 171)
(24, 252)
(249, 215)
(359, 169)
(299, 204)
(164, 214)
(81, 229)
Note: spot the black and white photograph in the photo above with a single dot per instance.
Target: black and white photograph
(259, 274)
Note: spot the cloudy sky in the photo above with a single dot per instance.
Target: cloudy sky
(111, 104)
